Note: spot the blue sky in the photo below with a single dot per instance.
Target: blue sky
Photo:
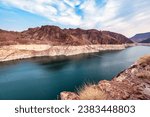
(123, 16)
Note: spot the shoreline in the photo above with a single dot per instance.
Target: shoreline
(131, 83)
(17, 52)
(143, 44)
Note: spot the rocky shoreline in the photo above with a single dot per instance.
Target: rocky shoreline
(14, 52)
(132, 83)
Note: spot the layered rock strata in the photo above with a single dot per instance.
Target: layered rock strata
(13, 52)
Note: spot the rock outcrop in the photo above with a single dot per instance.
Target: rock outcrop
(132, 83)
(69, 96)
(56, 36)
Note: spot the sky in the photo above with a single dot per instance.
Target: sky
(127, 17)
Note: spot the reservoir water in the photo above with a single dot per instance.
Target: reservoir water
(44, 78)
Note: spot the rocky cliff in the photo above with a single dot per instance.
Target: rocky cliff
(56, 36)
(132, 83)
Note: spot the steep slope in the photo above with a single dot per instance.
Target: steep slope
(146, 41)
(56, 36)
(13, 38)
(8, 36)
(140, 37)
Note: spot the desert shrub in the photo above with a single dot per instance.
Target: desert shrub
(91, 92)
(144, 60)
(143, 74)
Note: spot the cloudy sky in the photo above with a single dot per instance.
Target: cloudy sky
(123, 16)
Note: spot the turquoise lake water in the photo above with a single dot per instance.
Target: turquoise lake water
(44, 78)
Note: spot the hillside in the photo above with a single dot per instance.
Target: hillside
(56, 36)
(146, 41)
(132, 83)
(140, 37)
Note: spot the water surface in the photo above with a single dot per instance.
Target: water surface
(44, 78)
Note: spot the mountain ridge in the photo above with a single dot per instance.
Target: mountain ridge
(54, 35)
(146, 41)
(140, 37)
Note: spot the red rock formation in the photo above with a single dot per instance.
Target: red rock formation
(57, 36)
(8, 37)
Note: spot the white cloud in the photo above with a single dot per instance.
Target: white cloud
(72, 3)
(125, 16)
(137, 22)
(62, 14)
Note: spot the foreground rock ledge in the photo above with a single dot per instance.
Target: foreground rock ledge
(132, 83)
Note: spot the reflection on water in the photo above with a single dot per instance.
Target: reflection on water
(46, 77)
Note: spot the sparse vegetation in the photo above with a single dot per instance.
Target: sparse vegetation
(143, 71)
(144, 60)
(91, 92)
(143, 74)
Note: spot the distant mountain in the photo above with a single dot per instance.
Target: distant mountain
(140, 37)
(146, 41)
(57, 36)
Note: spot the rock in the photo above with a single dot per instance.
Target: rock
(56, 36)
(69, 96)
(54, 41)
(13, 52)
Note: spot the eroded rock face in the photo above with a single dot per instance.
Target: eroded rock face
(13, 52)
(132, 83)
(56, 36)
